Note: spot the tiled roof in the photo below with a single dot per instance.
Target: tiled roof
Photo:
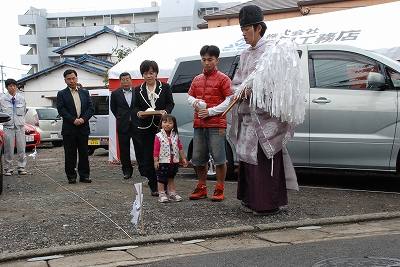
(105, 29)
(95, 60)
(66, 62)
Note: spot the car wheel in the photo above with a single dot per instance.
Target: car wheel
(57, 143)
(90, 152)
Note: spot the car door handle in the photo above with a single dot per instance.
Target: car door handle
(321, 100)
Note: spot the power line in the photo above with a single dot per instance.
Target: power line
(2, 66)
(2, 74)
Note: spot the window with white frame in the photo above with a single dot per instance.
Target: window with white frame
(63, 41)
(107, 20)
(62, 22)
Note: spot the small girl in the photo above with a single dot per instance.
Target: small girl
(167, 150)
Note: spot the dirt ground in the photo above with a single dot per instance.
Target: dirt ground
(41, 210)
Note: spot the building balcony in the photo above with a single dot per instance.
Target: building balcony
(28, 40)
(29, 59)
(67, 31)
(141, 27)
(26, 20)
(144, 27)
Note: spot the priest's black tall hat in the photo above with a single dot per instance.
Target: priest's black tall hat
(250, 15)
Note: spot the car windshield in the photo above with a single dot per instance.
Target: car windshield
(48, 114)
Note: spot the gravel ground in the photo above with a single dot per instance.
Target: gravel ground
(42, 210)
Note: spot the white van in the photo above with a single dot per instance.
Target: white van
(352, 116)
(99, 133)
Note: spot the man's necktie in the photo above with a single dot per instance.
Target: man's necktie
(13, 100)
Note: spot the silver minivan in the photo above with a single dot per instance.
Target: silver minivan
(47, 122)
(99, 129)
(352, 111)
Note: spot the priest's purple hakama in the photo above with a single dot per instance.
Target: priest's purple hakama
(257, 187)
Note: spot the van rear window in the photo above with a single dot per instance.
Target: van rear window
(187, 70)
(100, 105)
(184, 75)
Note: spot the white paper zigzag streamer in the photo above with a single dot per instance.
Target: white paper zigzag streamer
(276, 83)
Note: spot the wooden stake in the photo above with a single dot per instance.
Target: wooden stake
(35, 157)
(141, 210)
(234, 102)
(231, 106)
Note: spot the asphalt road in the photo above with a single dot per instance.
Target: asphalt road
(361, 251)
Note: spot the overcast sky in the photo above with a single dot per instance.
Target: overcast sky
(10, 30)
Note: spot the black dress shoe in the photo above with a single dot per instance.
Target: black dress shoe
(85, 180)
(127, 176)
(72, 181)
(154, 193)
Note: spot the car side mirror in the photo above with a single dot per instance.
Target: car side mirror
(376, 80)
(4, 117)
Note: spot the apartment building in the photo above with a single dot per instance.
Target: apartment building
(48, 32)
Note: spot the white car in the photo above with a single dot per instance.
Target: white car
(47, 122)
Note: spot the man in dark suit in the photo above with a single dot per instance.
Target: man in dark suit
(76, 108)
(122, 100)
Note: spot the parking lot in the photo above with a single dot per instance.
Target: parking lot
(42, 210)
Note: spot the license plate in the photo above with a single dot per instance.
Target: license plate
(53, 136)
(94, 142)
(29, 138)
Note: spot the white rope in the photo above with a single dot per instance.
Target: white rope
(66, 189)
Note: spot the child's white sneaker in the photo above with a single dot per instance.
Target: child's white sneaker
(175, 198)
(162, 198)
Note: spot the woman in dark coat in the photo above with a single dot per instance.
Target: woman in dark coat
(152, 95)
